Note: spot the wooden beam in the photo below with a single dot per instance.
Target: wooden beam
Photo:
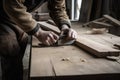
(51, 22)
(96, 24)
(48, 26)
(98, 20)
(113, 20)
(96, 48)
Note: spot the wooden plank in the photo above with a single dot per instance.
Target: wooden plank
(96, 24)
(96, 48)
(76, 62)
(113, 20)
(100, 50)
(42, 16)
(47, 26)
(51, 22)
(97, 38)
(106, 39)
(112, 39)
(98, 20)
(40, 64)
(79, 63)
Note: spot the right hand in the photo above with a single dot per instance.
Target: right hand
(46, 37)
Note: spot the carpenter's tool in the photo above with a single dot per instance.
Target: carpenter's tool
(63, 40)
(117, 45)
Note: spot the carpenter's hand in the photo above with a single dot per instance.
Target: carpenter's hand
(46, 37)
(71, 33)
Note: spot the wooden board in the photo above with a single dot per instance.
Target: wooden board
(79, 63)
(41, 66)
(96, 48)
(51, 22)
(96, 20)
(40, 63)
(100, 50)
(72, 63)
(48, 61)
(95, 24)
(113, 20)
(47, 26)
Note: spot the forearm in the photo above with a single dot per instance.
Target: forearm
(58, 13)
(18, 13)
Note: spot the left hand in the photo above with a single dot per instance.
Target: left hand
(71, 33)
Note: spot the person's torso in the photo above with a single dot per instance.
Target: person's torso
(30, 4)
(33, 4)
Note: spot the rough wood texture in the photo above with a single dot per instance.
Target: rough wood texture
(96, 48)
(40, 63)
(96, 24)
(113, 20)
(68, 61)
(106, 21)
(105, 39)
(47, 26)
(100, 50)
(73, 63)
(97, 20)
(41, 66)
(51, 22)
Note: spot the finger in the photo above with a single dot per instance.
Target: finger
(70, 34)
(73, 34)
(62, 32)
(47, 43)
(56, 37)
(52, 40)
(76, 35)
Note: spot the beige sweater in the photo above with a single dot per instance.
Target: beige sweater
(17, 11)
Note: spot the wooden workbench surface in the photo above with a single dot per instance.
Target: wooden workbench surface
(73, 63)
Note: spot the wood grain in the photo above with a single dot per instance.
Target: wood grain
(96, 24)
(48, 26)
(78, 62)
(40, 64)
(113, 20)
(51, 22)
(96, 48)
(100, 50)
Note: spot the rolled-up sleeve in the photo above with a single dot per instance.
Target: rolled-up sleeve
(57, 11)
(16, 10)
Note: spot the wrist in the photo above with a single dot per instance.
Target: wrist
(64, 26)
(37, 33)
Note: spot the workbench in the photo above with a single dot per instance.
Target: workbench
(71, 62)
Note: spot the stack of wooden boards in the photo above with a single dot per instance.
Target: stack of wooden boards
(86, 43)
(112, 24)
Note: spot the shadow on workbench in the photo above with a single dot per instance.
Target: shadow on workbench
(83, 77)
